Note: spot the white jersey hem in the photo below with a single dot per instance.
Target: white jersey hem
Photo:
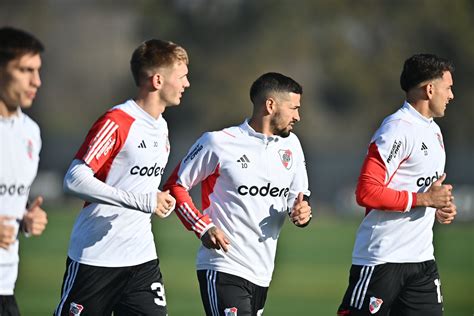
(248, 277)
(377, 261)
(107, 264)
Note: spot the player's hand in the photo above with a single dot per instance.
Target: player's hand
(35, 219)
(7, 231)
(439, 195)
(301, 212)
(446, 215)
(215, 238)
(165, 203)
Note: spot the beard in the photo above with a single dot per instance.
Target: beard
(276, 124)
(283, 133)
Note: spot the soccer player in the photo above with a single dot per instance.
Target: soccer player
(252, 176)
(401, 184)
(20, 145)
(112, 264)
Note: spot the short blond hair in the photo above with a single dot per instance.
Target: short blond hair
(154, 54)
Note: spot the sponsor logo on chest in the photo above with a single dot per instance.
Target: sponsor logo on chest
(422, 181)
(14, 189)
(264, 190)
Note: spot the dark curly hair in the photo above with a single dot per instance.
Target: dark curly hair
(423, 67)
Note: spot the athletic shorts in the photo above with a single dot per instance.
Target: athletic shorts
(91, 290)
(229, 295)
(402, 289)
(8, 306)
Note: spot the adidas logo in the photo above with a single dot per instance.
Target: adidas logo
(243, 159)
(424, 148)
(142, 144)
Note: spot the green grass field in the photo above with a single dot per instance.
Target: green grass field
(310, 276)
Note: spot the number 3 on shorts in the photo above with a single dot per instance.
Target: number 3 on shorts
(160, 293)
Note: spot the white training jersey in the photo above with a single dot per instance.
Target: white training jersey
(406, 156)
(249, 181)
(127, 149)
(20, 145)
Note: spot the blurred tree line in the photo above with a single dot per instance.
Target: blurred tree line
(347, 55)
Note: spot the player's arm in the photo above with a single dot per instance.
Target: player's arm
(210, 235)
(81, 182)
(33, 223)
(7, 231)
(199, 166)
(103, 142)
(372, 189)
(300, 212)
(35, 219)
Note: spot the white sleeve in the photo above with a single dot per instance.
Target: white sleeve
(80, 182)
(200, 162)
(393, 145)
(300, 181)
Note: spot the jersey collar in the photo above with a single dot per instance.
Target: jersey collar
(415, 115)
(251, 132)
(144, 115)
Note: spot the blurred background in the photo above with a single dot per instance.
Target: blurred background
(347, 55)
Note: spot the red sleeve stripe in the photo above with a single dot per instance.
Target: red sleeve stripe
(185, 216)
(99, 144)
(98, 138)
(192, 218)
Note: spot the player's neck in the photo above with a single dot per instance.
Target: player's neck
(151, 104)
(422, 107)
(260, 126)
(7, 111)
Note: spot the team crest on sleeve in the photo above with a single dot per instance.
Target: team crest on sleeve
(29, 149)
(75, 309)
(286, 157)
(440, 139)
(375, 304)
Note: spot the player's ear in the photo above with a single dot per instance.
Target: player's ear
(270, 105)
(429, 90)
(156, 81)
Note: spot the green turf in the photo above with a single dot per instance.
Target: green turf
(310, 276)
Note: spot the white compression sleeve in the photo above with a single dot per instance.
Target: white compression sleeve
(80, 182)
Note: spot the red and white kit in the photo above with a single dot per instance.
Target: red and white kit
(406, 156)
(20, 145)
(126, 150)
(249, 181)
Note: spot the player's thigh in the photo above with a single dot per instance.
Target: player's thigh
(258, 300)
(372, 289)
(224, 294)
(145, 293)
(89, 290)
(422, 294)
(8, 306)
